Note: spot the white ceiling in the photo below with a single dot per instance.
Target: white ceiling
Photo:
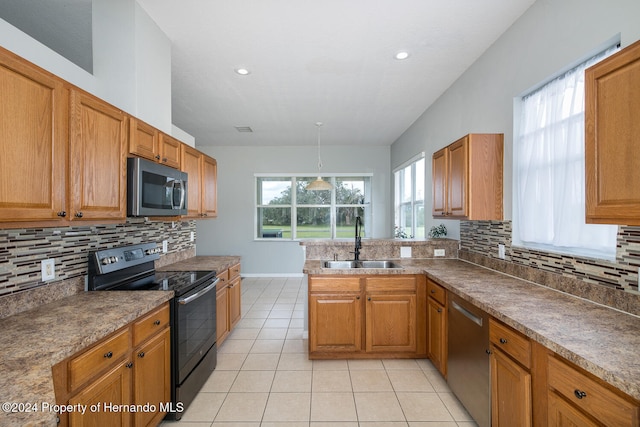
(329, 61)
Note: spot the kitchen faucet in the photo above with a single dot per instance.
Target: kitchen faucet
(356, 252)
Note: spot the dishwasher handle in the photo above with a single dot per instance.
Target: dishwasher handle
(475, 319)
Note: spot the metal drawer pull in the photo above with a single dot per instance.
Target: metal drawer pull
(580, 394)
(108, 355)
(129, 365)
(141, 354)
(503, 341)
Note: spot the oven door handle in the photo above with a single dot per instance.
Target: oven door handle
(198, 294)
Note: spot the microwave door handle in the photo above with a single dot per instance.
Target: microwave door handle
(180, 185)
(182, 194)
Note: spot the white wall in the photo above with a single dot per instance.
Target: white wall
(550, 36)
(232, 232)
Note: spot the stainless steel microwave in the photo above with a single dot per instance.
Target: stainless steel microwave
(154, 189)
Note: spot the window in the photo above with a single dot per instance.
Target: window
(409, 198)
(286, 210)
(549, 190)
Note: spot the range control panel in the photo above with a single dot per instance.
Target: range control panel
(114, 259)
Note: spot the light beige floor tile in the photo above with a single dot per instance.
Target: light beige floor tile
(277, 323)
(284, 424)
(243, 407)
(331, 381)
(385, 424)
(219, 381)
(454, 406)
(332, 424)
(235, 346)
(243, 334)
(423, 407)
(230, 361)
(272, 334)
(257, 314)
(292, 382)
(362, 380)
(253, 382)
(425, 365)
(378, 406)
(405, 380)
(288, 407)
(437, 381)
(204, 407)
(297, 323)
(260, 362)
(267, 346)
(281, 314)
(294, 333)
(294, 362)
(284, 306)
(431, 424)
(249, 323)
(231, 424)
(366, 364)
(191, 424)
(298, 314)
(395, 364)
(296, 346)
(333, 407)
(330, 365)
(467, 424)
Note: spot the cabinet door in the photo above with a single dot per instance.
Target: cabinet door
(34, 126)
(97, 177)
(437, 336)
(222, 313)
(143, 140)
(457, 165)
(170, 151)
(439, 173)
(335, 323)
(192, 166)
(511, 403)
(152, 377)
(612, 103)
(209, 187)
(235, 307)
(391, 323)
(563, 414)
(113, 388)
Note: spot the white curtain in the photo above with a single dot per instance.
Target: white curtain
(549, 171)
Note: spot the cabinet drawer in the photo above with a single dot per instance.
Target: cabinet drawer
(590, 396)
(98, 358)
(436, 292)
(511, 342)
(234, 271)
(334, 284)
(150, 324)
(224, 278)
(391, 284)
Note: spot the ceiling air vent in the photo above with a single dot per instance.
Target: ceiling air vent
(244, 129)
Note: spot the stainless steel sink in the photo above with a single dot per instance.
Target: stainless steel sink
(360, 264)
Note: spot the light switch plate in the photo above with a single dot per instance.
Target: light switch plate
(48, 269)
(438, 252)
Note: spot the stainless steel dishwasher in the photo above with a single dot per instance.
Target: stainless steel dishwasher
(468, 359)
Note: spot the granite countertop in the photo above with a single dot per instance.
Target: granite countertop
(35, 340)
(200, 263)
(599, 339)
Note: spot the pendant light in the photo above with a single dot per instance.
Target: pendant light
(319, 184)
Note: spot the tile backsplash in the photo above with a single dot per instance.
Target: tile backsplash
(483, 237)
(22, 250)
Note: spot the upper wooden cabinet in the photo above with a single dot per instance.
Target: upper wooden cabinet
(468, 178)
(148, 142)
(98, 147)
(34, 123)
(612, 118)
(202, 194)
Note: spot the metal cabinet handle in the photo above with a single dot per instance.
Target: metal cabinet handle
(580, 394)
(503, 341)
(129, 365)
(157, 156)
(141, 354)
(78, 215)
(62, 214)
(108, 355)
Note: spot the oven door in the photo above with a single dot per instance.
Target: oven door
(195, 322)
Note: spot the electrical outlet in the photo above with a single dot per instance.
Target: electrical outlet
(501, 253)
(405, 251)
(165, 246)
(438, 252)
(193, 236)
(48, 269)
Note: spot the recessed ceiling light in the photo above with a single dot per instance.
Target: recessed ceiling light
(402, 55)
(242, 71)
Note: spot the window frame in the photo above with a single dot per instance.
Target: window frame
(413, 203)
(294, 205)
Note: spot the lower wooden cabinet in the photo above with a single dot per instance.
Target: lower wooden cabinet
(437, 318)
(114, 374)
(367, 316)
(228, 302)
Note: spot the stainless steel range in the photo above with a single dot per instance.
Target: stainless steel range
(193, 311)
